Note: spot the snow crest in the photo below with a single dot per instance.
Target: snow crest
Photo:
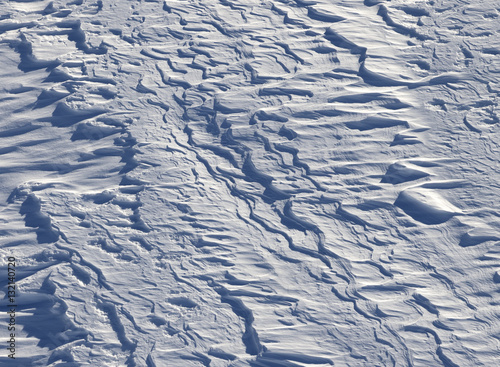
(251, 183)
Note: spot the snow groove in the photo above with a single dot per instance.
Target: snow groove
(232, 183)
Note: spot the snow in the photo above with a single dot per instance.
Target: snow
(250, 183)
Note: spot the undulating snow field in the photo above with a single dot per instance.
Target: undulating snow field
(250, 183)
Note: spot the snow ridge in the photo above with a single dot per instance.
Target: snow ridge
(229, 183)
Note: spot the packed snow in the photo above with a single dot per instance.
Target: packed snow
(250, 182)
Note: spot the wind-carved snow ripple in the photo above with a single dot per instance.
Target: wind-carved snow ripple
(72, 144)
(234, 177)
(243, 140)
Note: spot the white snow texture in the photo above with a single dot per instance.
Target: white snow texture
(265, 183)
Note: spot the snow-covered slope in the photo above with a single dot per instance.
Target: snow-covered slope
(251, 183)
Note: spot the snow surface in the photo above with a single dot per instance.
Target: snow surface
(251, 183)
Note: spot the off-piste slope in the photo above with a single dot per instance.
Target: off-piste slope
(246, 183)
